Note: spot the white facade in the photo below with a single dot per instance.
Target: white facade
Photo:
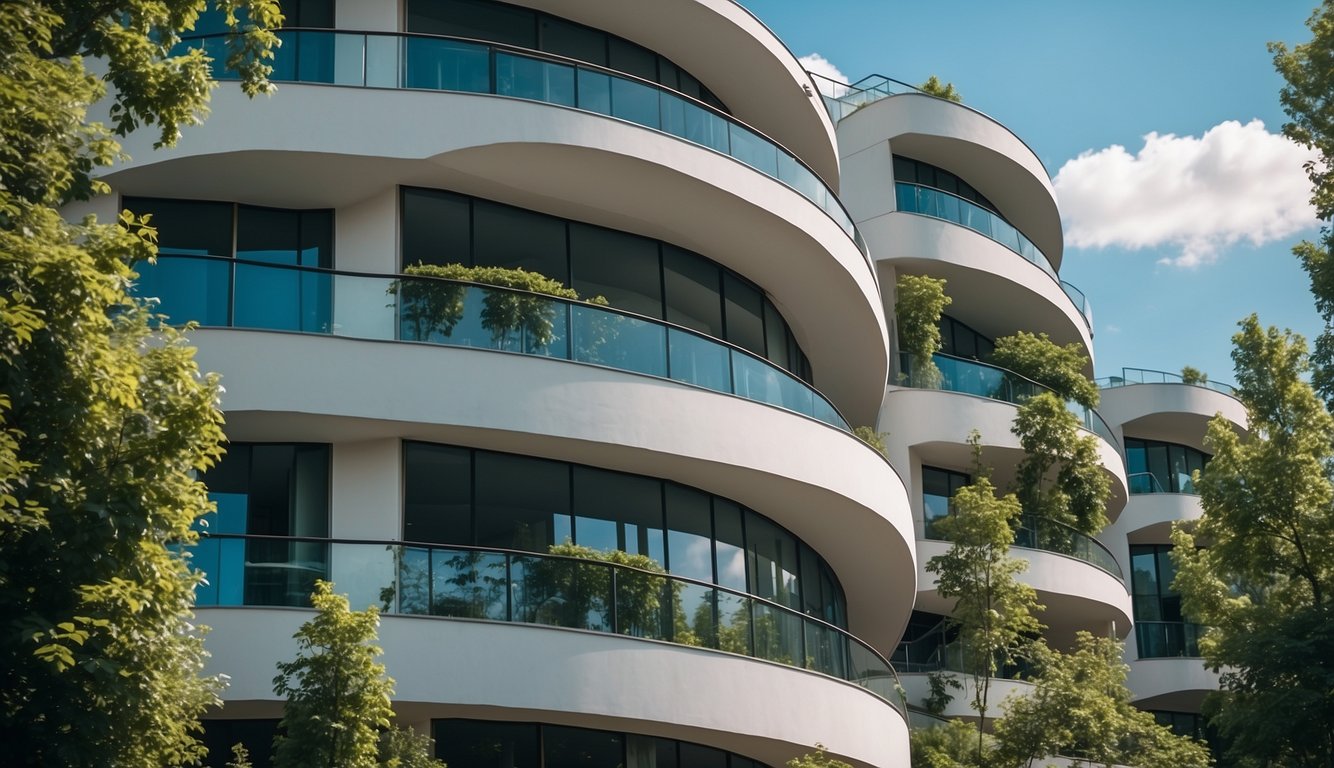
(750, 176)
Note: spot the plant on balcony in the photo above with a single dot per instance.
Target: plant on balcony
(436, 306)
(1195, 376)
(947, 91)
(1058, 368)
(816, 759)
(993, 610)
(918, 303)
(873, 438)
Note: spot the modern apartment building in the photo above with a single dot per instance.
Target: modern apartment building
(442, 449)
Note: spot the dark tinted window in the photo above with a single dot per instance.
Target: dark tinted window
(512, 237)
(693, 292)
(576, 41)
(437, 494)
(188, 227)
(479, 19)
(522, 503)
(619, 266)
(481, 744)
(744, 314)
(436, 228)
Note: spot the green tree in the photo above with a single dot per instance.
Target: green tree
(918, 304)
(1308, 100)
(934, 87)
(337, 693)
(1265, 583)
(1060, 477)
(993, 610)
(1192, 375)
(405, 748)
(103, 420)
(1080, 707)
(951, 744)
(240, 757)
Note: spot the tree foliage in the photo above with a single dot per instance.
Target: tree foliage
(1058, 368)
(1308, 100)
(1265, 584)
(993, 610)
(1080, 707)
(1060, 477)
(103, 419)
(1192, 375)
(405, 748)
(816, 759)
(918, 304)
(952, 744)
(337, 693)
(934, 87)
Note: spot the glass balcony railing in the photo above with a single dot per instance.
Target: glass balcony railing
(431, 62)
(1148, 482)
(936, 651)
(1130, 376)
(533, 588)
(1049, 536)
(939, 204)
(232, 293)
(972, 377)
(1167, 639)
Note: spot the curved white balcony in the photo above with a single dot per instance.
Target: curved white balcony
(1173, 684)
(932, 425)
(553, 159)
(1078, 595)
(992, 286)
(916, 688)
(464, 668)
(278, 387)
(1167, 410)
(1148, 517)
(959, 139)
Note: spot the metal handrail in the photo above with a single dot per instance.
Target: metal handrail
(828, 413)
(872, 672)
(1133, 376)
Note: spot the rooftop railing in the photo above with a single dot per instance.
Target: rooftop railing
(438, 63)
(518, 587)
(1131, 376)
(972, 377)
(224, 292)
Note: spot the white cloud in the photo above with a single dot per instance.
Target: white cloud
(814, 62)
(1236, 182)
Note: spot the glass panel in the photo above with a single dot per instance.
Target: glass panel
(618, 511)
(283, 573)
(437, 494)
(594, 92)
(778, 634)
(797, 176)
(366, 573)
(414, 580)
(744, 306)
(620, 267)
(446, 65)
(529, 515)
(504, 236)
(478, 19)
(635, 102)
(562, 592)
(644, 604)
(479, 744)
(364, 307)
(282, 299)
(753, 150)
(693, 615)
(618, 341)
(436, 228)
(382, 61)
(729, 545)
(315, 57)
(632, 59)
(693, 292)
(472, 585)
(187, 227)
(869, 671)
(689, 532)
(527, 78)
(905, 196)
(693, 123)
(187, 289)
(733, 612)
(758, 380)
(581, 748)
(696, 360)
(826, 650)
(773, 562)
(697, 756)
(775, 335)
(576, 41)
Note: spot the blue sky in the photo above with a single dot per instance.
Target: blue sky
(1174, 242)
